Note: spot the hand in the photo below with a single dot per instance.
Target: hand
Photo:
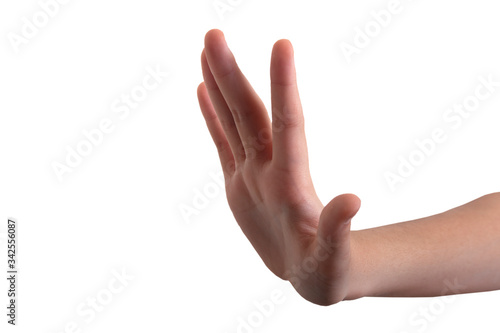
(268, 183)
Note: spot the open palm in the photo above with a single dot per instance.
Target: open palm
(268, 183)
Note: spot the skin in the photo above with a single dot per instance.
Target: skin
(272, 197)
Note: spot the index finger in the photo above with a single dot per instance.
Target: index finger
(247, 109)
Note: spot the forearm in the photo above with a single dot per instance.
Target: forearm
(457, 251)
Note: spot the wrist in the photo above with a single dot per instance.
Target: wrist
(360, 283)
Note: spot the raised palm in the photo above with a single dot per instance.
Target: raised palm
(268, 184)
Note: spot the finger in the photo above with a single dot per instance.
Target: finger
(247, 109)
(334, 222)
(289, 140)
(222, 110)
(335, 225)
(333, 241)
(215, 129)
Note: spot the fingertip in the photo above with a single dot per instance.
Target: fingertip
(342, 208)
(283, 45)
(204, 100)
(213, 34)
(200, 89)
(353, 204)
(219, 57)
(283, 63)
(200, 95)
(214, 39)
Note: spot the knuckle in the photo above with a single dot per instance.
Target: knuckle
(240, 115)
(288, 117)
(227, 124)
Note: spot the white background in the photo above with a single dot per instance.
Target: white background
(120, 208)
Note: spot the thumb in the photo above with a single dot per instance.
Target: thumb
(335, 219)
